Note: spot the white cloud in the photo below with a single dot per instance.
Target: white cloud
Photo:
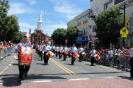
(51, 27)
(24, 27)
(67, 9)
(31, 2)
(85, 1)
(19, 8)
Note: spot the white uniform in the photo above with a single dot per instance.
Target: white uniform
(130, 51)
(74, 49)
(93, 52)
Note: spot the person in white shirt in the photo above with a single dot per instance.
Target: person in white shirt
(74, 52)
(65, 53)
(40, 51)
(81, 51)
(46, 48)
(60, 52)
(56, 51)
(130, 51)
(93, 53)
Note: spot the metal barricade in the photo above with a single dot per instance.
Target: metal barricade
(4, 52)
(119, 62)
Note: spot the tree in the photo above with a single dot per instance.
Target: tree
(9, 27)
(59, 36)
(18, 37)
(109, 23)
(12, 27)
(3, 14)
(72, 35)
(4, 7)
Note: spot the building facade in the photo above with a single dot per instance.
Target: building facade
(97, 6)
(86, 27)
(38, 37)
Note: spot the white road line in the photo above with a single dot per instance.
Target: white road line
(110, 77)
(6, 68)
(40, 81)
(79, 79)
(109, 68)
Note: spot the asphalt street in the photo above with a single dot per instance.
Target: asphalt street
(56, 71)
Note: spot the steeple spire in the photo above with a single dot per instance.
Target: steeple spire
(39, 26)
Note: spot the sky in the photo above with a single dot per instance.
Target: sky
(56, 13)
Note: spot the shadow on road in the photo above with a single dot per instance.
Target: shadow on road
(40, 63)
(43, 76)
(125, 77)
(16, 64)
(11, 80)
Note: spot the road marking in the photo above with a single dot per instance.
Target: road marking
(110, 77)
(6, 68)
(78, 79)
(69, 73)
(15, 56)
(109, 68)
(63, 67)
(39, 81)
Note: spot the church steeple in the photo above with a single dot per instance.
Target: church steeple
(39, 26)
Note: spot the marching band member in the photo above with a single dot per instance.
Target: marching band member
(93, 53)
(131, 60)
(46, 50)
(56, 51)
(40, 51)
(75, 55)
(24, 50)
(81, 54)
(65, 53)
(60, 52)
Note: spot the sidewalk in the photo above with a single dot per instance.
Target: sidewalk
(121, 82)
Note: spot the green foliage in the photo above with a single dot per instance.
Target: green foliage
(4, 7)
(9, 27)
(12, 27)
(18, 37)
(72, 35)
(59, 36)
(109, 23)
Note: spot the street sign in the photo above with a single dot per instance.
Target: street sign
(124, 32)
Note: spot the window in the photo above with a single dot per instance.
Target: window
(110, 1)
(105, 6)
(118, 1)
(94, 29)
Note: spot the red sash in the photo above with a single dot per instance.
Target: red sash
(25, 55)
(75, 55)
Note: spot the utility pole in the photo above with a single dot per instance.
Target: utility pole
(124, 10)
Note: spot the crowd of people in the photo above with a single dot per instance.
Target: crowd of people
(46, 51)
(120, 57)
(60, 52)
(105, 56)
(5, 44)
(5, 49)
